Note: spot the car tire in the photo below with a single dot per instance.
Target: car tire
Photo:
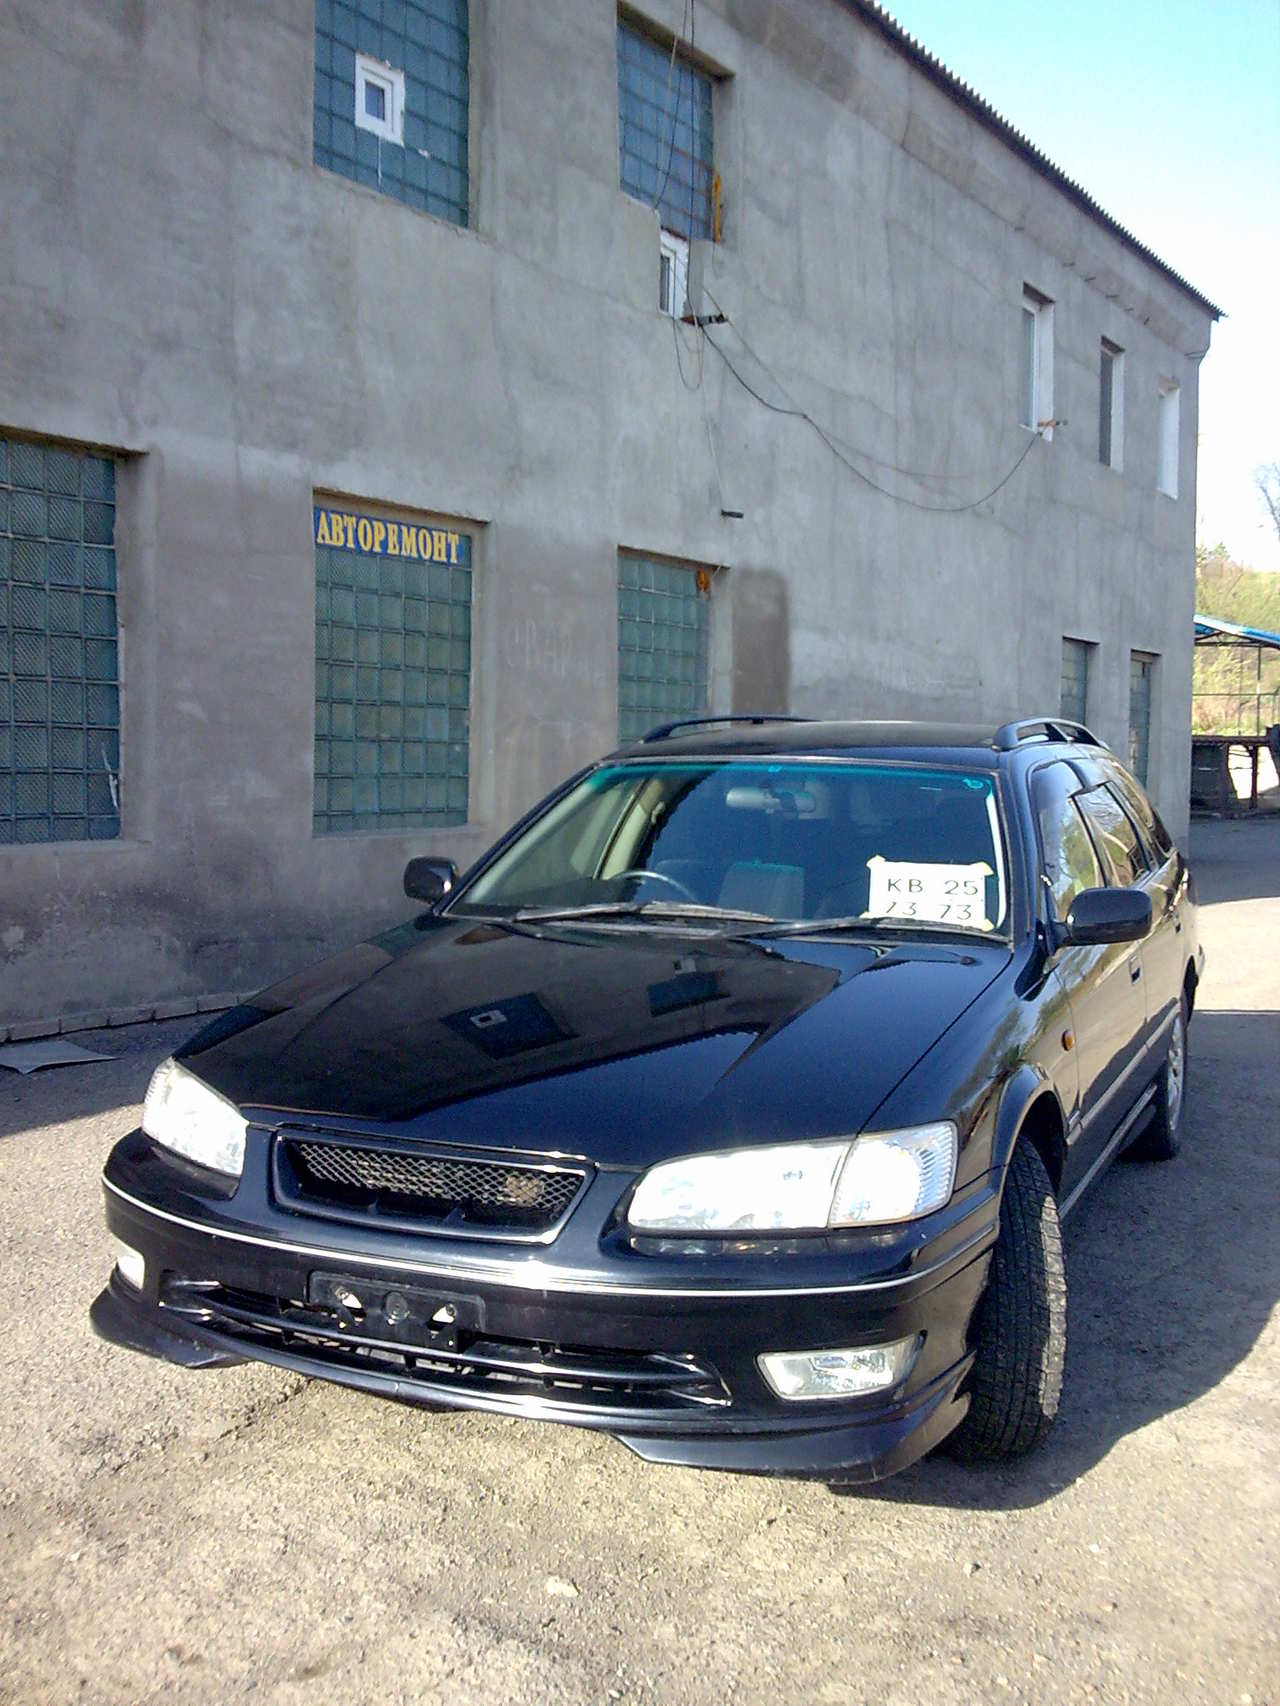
(1020, 1325)
(1161, 1138)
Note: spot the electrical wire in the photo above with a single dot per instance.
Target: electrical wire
(852, 449)
(688, 27)
(656, 203)
(842, 452)
(711, 446)
(838, 450)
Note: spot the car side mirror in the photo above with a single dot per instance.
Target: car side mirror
(429, 879)
(1108, 915)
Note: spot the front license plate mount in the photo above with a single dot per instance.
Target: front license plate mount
(406, 1314)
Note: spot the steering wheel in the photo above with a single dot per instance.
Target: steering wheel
(659, 877)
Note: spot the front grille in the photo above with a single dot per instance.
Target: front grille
(489, 1371)
(449, 1193)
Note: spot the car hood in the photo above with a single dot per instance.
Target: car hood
(622, 1045)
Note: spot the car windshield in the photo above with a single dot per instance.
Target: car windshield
(784, 842)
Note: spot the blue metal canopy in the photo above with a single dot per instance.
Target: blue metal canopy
(1212, 630)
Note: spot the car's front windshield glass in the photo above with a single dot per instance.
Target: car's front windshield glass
(785, 841)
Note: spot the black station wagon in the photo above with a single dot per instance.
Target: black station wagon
(730, 1104)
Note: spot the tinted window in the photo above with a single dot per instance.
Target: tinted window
(786, 838)
(1115, 837)
(1070, 863)
(1141, 809)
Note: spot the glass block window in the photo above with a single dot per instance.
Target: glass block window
(1074, 700)
(393, 673)
(59, 657)
(1141, 673)
(664, 133)
(422, 45)
(663, 635)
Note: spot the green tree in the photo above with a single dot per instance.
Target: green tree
(1230, 695)
(1266, 477)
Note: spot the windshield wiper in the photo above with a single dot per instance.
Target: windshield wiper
(655, 909)
(819, 926)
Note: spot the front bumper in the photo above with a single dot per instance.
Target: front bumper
(658, 1349)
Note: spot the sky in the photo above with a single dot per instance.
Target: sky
(1168, 113)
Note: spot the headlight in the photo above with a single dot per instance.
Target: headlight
(801, 1187)
(185, 1115)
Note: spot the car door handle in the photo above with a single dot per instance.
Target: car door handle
(1135, 970)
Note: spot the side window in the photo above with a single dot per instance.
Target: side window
(1116, 838)
(1070, 863)
(1140, 808)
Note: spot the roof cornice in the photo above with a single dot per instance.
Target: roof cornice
(987, 116)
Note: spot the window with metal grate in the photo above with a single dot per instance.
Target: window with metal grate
(1141, 675)
(391, 99)
(665, 133)
(1074, 698)
(393, 673)
(663, 642)
(59, 651)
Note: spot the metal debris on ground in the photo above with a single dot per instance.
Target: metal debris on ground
(46, 1051)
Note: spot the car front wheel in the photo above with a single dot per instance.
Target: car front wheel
(1021, 1324)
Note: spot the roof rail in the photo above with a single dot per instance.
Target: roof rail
(1011, 735)
(665, 729)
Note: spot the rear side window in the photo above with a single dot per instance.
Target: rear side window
(1145, 814)
(1070, 863)
(1115, 837)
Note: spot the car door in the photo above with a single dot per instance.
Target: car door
(1125, 864)
(1163, 953)
(1103, 983)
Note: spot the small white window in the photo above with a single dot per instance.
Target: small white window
(1035, 390)
(379, 99)
(1111, 405)
(673, 273)
(1170, 413)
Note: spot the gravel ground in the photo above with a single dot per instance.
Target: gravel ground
(247, 1534)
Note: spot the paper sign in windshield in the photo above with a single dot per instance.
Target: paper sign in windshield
(938, 894)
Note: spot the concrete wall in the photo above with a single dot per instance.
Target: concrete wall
(181, 284)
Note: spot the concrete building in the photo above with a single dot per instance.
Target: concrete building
(358, 481)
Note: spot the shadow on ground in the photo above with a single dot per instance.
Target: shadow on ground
(1173, 1271)
(56, 1095)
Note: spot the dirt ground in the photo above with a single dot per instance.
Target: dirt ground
(245, 1534)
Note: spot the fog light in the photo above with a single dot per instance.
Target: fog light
(839, 1374)
(130, 1263)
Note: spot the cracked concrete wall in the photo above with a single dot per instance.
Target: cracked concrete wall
(182, 285)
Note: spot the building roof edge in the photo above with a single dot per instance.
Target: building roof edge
(968, 98)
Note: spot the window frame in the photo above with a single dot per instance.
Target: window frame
(1042, 783)
(1149, 660)
(1168, 438)
(1161, 846)
(380, 75)
(1111, 405)
(62, 634)
(673, 273)
(422, 152)
(665, 575)
(1035, 380)
(680, 61)
(424, 681)
(1114, 876)
(1086, 650)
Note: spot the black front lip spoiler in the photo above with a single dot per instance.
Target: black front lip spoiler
(127, 1321)
(862, 1451)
